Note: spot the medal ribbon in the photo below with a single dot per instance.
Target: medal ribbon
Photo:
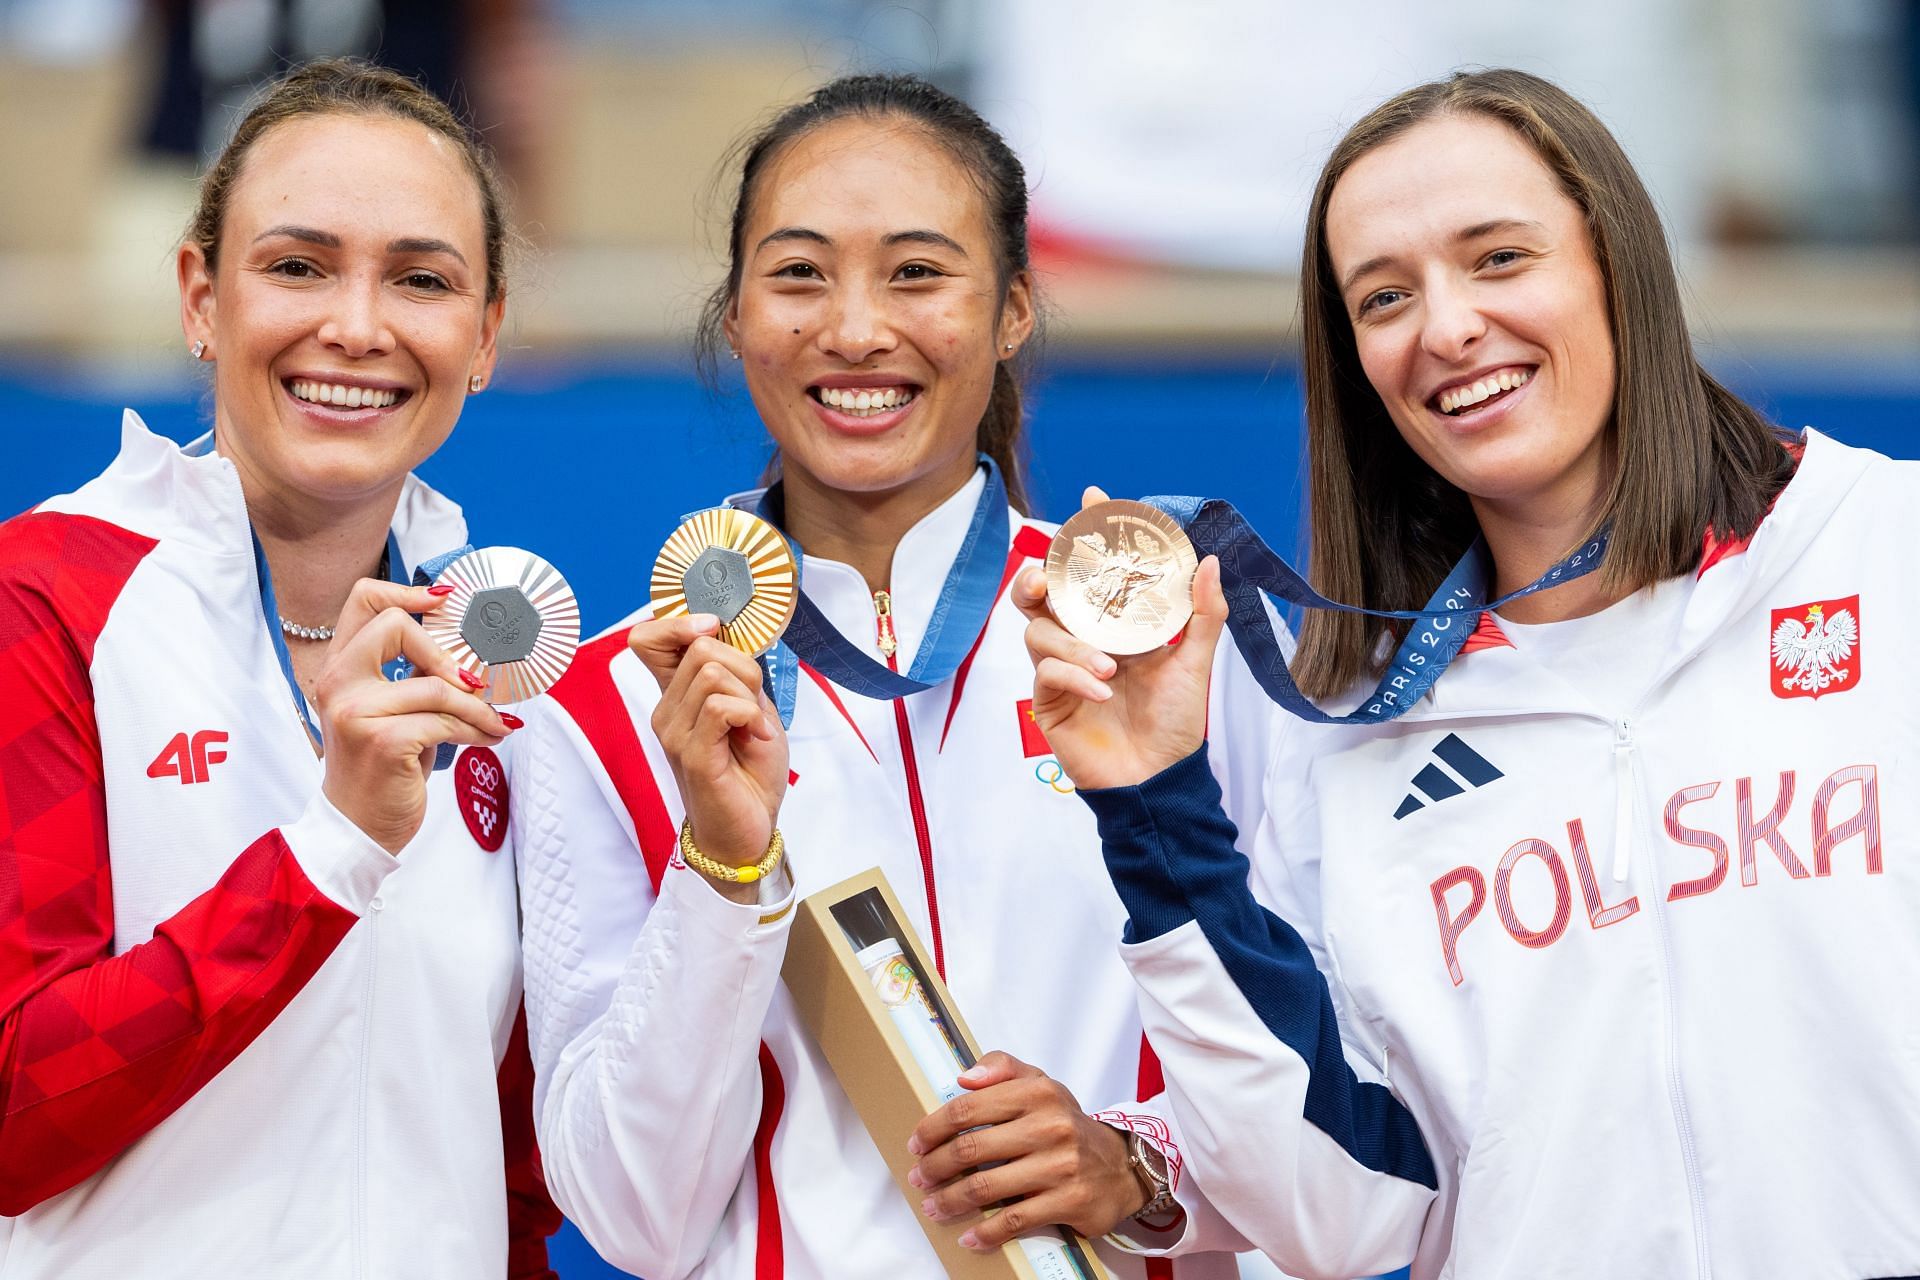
(1248, 566)
(959, 615)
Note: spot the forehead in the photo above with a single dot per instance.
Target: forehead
(1437, 178)
(345, 173)
(862, 175)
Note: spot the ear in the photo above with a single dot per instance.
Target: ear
(489, 351)
(730, 323)
(1016, 315)
(196, 297)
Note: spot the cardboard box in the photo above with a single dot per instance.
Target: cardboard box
(872, 1049)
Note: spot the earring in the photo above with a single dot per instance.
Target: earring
(1009, 346)
(198, 350)
(734, 353)
(475, 383)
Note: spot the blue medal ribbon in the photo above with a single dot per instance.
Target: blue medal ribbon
(959, 615)
(1248, 566)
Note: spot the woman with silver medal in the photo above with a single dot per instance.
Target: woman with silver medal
(259, 964)
(878, 298)
(1592, 956)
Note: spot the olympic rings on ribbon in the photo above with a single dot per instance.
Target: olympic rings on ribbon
(1050, 772)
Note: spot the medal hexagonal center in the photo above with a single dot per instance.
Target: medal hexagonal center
(720, 582)
(501, 625)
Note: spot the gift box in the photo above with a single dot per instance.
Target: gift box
(867, 991)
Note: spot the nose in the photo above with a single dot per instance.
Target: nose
(859, 325)
(356, 324)
(1451, 323)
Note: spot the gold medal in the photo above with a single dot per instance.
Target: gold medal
(512, 613)
(1120, 577)
(734, 565)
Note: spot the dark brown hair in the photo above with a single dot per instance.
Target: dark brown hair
(996, 173)
(349, 86)
(1687, 455)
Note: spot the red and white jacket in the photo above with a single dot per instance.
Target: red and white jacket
(236, 1036)
(1547, 985)
(689, 1125)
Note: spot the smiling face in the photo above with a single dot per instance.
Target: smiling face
(348, 309)
(1480, 313)
(869, 316)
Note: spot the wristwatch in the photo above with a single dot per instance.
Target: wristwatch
(1149, 1165)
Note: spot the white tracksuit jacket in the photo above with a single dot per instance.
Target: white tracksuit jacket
(278, 1046)
(1707, 1064)
(687, 1122)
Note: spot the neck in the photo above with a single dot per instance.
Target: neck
(1526, 541)
(317, 551)
(863, 529)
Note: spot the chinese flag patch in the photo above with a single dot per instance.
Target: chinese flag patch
(1814, 648)
(480, 788)
(1032, 741)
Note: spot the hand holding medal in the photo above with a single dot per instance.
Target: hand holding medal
(724, 588)
(1121, 581)
(511, 614)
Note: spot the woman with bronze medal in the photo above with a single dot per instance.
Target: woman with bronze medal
(878, 298)
(259, 961)
(1593, 956)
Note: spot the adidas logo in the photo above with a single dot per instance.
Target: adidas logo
(1437, 784)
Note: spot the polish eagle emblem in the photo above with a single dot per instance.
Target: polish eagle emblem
(1817, 646)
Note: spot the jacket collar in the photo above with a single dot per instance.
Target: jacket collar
(1498, 679)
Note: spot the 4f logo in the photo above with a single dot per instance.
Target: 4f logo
(188, 758)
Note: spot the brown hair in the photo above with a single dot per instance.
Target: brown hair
(1688, 456)
(349, 86)
(997, 174)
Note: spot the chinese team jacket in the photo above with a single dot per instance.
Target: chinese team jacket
(688, 1124)
(1604, 995)
(237, 1038)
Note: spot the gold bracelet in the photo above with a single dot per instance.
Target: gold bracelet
(691, 855)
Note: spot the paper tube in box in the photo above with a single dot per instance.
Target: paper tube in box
(864, 988)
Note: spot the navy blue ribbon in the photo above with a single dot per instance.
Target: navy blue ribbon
(1248, 566)
(959, 615)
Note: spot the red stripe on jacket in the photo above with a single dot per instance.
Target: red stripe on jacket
(591, 697)
(96, 1048)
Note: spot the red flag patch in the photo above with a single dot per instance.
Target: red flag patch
(1032, 741)
(480, 786)
(1814, 648)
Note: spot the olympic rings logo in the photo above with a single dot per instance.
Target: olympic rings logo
(1050, 772)
(483, 773)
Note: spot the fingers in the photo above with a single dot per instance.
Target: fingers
(1062, 663)
(371, 597)
(995, 1066)
(391, 633)
(1029, 593)
(1209, 608)
(660, 642)
(1092, 495)
(714, 688)
(454, 707)
(987, 1104)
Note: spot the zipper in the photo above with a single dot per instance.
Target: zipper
(887, 643)
(1622, 797)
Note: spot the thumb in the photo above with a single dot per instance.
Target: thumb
(1209, 610)
(660, 642)
(1091, 496)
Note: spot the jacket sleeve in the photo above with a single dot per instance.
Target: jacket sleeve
(645, 1009)
(1326, 1173)
(97, 1048)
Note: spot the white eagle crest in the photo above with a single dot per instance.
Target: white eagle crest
(1812, 652)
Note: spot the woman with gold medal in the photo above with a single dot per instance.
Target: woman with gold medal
(878, 299)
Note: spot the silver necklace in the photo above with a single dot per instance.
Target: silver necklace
(298, 632)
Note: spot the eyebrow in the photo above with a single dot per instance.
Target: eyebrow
(918, 236)
(326, 239)
(1463, 236)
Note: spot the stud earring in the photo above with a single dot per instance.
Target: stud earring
(1009, 346)
(734, 353)
(475, 383)
(198, 349)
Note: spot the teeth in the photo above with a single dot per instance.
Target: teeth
(343, 396)
(864, 402)
(1457, 398)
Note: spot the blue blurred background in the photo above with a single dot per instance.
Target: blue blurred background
(1170, 150)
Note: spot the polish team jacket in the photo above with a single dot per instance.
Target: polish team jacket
(237, 1037)
(1645, 982)
(688, 1123)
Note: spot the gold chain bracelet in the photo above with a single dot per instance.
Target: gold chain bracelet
(691, 855)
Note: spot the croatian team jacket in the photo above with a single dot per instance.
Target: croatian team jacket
(236, 1036)
(1602, 996)
(688, 1123)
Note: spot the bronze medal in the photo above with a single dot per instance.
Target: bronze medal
(1120, 577)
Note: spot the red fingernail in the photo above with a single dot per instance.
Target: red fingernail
(441, 589)
(510, 720)
(471, 680)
